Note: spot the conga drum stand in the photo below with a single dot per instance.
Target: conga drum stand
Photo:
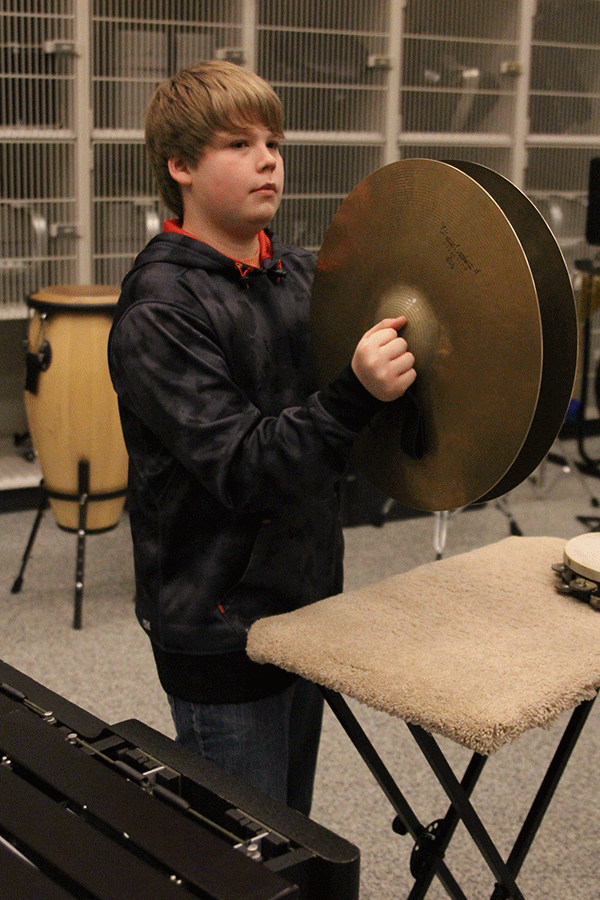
(83, 498)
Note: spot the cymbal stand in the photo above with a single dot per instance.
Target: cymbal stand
(440, 529)
(588, 303)
(440, 532)
(501, 504)
(568, 466)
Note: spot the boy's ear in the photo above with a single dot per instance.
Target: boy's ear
(179, 170)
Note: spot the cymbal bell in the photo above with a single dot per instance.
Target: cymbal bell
(447, 245)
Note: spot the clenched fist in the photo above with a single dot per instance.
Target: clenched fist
(382, 361)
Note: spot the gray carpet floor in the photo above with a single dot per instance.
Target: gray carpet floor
(107, 668)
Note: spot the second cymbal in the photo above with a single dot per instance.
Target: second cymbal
(424, 239)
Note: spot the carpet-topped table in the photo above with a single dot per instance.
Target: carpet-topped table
(478, 647)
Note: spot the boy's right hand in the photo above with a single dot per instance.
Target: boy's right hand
(382, 361)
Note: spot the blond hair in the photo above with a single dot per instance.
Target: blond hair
(187, 109)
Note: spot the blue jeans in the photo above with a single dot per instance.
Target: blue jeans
(271, 744)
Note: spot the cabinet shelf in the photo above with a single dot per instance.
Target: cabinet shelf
(453, 139)
(36, 134)
(16, 472)
(565, 140)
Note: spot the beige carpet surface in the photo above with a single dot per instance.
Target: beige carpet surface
(478, 647)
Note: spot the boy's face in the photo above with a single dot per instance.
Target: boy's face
(235, 188)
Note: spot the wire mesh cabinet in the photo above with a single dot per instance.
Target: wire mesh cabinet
(330, 66)
(38, 208)
(463, 79)
(134, 46)
(564, 110)
(335, 67)
(514, 86)
(75, 84)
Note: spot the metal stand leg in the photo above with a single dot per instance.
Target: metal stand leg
(502, 505)
(464, 808)
(83, 493)
(546, 790)
(560, 456)
(572, 466)
(431, 842)
(440, 529)
(83, 498)
(18, 583)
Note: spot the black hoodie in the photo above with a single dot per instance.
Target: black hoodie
(234, 456)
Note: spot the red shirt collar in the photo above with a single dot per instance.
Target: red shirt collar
(264, 242)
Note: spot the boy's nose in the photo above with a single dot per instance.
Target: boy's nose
(267, 158)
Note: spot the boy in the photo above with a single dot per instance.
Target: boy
(234, 457)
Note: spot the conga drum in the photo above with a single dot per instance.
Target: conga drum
(71, 405)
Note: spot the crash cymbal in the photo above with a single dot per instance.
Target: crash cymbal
(559, 322)
(425, 239)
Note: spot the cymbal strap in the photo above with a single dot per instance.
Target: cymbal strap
(412, 435)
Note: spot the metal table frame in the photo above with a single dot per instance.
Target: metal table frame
(432, 840)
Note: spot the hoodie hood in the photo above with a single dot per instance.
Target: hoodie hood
(188, 252)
